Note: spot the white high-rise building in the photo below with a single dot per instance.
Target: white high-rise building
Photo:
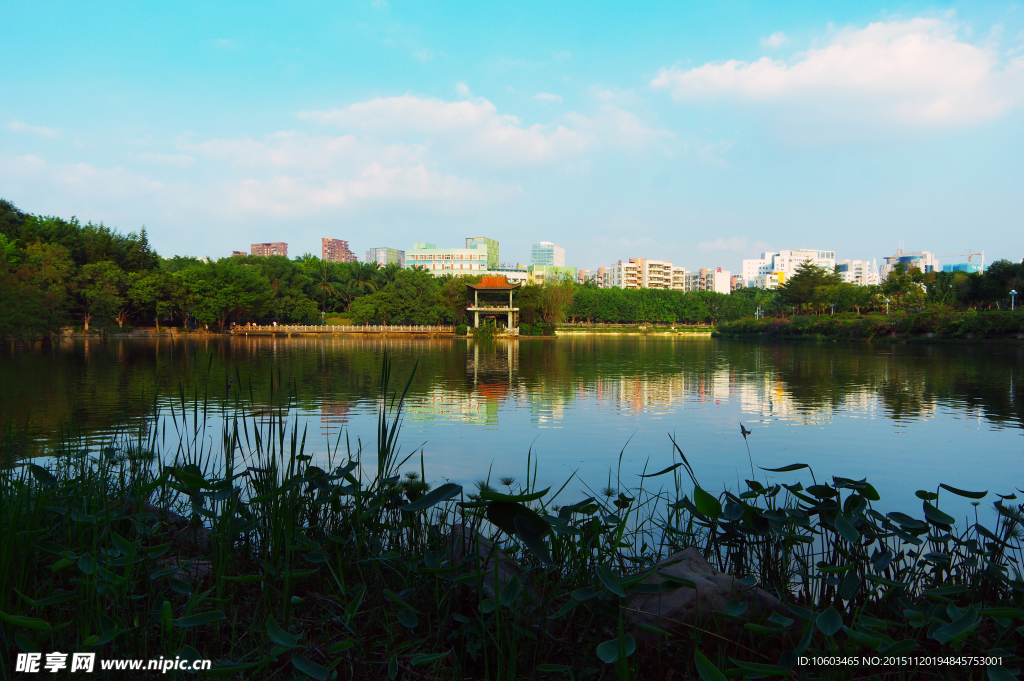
(859, 272)
(784, 264)
(547, 254)
(922, 260)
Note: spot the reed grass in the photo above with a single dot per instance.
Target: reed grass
(245, 547)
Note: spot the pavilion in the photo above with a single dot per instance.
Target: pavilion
(490, 286)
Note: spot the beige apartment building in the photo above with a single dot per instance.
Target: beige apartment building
(336, 250)
(269, 248)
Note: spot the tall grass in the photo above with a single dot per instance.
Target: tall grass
(245, 547)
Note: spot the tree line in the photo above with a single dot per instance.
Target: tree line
(56, 273)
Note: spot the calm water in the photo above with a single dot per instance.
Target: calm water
(905, 416)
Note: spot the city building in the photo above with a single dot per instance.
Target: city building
(736, 282)
(622, 275)
(271, 248)
(234, 253)
(538, 274)
(719, 281)
(336, 250)
(679, 278)
(547, 254)
(472, 260)
(922, 260)
(859, 272)
(785, 263)
(595, 276)
(491, 246)
(964, 267)
(386, 256)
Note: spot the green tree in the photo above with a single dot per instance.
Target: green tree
(100, 291)
(413, 298)
(803, 289)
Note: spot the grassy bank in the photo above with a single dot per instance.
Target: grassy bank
(945, 324)
(243, 547)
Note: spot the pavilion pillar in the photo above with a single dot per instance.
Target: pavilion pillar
(476, 318)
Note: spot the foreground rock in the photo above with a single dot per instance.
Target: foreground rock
(714, 591)
(467, 547)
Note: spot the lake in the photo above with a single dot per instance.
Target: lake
(905, 416)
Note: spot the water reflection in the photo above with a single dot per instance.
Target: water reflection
(97, 387)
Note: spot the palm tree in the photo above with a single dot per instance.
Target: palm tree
(327, 281)
(388, 274)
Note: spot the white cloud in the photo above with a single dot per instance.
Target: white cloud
(615, 127)
(471, 128)
(380, 4)
(168, 159)
(775, 40)
(547, 97)
(425, 54)
(564, 54)
(18, 126)
(732, 243)
(462, 89)
(911, 72)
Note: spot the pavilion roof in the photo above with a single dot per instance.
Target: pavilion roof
(493, 284)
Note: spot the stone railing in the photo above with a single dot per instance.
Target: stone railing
(335, 329)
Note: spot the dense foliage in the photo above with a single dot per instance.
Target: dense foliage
(56, 273)
(275, 562)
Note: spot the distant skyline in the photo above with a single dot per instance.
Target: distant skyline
(703, 134)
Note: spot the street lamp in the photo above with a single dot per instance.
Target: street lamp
(886, 306)
(1013, 300)
(323, 321)
(833, 309)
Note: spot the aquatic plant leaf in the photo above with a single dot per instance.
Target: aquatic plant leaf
(822, 491)
(926, 495)
(999, 673)
(846, 530)
(393, 667)
(707, 670)
(408, 619)
(503, 515)
(761, 669)
(663, 471)
(936, 516)
(509, 592)
(279, 635)
(906, 521)
(312, 669)
(435, 496)
(428, 658)
(785, 469)
(872, 642)
(123, 545)
(340, 647)
(707, 504)
(552, 668)
(487, 606)
(201, 618)
(829, 622)
(776, 618)
(26, 644)
(491, 495)
(736, 608)
(964, 493)
(532, 539)
(180, 586)
(27, 622)
(967, 622)
(45, 477)
(397, 600)
(608, 652)
(1001, 612)
(849, 586)
(610, 581)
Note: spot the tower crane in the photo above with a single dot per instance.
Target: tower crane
(971, 255)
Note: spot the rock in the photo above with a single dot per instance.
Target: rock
(714, 590)
(467, 547)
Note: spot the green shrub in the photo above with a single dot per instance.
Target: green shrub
(525, 330)
(461, 330)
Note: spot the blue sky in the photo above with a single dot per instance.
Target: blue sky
(703, 133)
